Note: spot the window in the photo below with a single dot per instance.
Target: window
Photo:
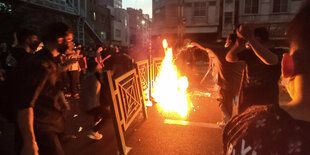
(126, 22)
(102, 19)
(94, 16)
(251, 6)
(212, 3)
(187, 4)
(118, 33)
(228, 18)
(103, 35)
(200, 9)
(159, 14)
(280, 5)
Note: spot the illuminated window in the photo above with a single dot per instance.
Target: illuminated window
(200, 9)
(103, 35)
(280, 5)
(94, 15)
(251, 7)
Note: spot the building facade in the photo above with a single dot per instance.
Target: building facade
(186, 19)
(89, 20)
(140, 33)
(97, 22)
(274, 14)
(117, 4)
(120, 28)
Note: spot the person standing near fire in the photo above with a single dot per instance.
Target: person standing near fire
(263, 66)
(228, 77)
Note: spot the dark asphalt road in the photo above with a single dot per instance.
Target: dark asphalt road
(200, 135)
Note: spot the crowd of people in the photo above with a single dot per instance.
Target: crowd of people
(39, 73)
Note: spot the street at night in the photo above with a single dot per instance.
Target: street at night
(154, 77)
(198, 134)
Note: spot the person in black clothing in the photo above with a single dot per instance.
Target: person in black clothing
(228, 77)
(263, 67)
(106, 55)
(40, 89)
(15, 58)
(121, 63)
(10, 90)
(91, 97)
(284, 129)
(27, 44)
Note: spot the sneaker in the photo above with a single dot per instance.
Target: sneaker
(94, 135)
(76, 96)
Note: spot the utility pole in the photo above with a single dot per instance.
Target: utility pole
(181, 23)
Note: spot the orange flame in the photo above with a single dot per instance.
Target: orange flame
(170, 90)
(165, 44)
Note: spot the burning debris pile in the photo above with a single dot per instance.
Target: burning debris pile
(170, 89)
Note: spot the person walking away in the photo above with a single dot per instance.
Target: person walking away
(91, 85)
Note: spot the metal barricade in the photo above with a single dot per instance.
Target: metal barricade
(127, 101)
(155, 68)
(143, 71)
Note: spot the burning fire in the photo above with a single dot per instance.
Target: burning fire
(170, 90)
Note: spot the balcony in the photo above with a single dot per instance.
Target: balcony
(57, 5)
(269, 18)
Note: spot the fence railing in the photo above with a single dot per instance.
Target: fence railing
(143, 69)
(127, 101)
(148, 73)
(126, 96)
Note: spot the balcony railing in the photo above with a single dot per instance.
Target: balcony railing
(269, 18)
(58, 5)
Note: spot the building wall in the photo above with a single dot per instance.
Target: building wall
(199, 17)
(98, 17)
(266, 12)
(229, 14)
(140, 29)
(36, 17)
(117, 3)
(120, 28)
(270, 14)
